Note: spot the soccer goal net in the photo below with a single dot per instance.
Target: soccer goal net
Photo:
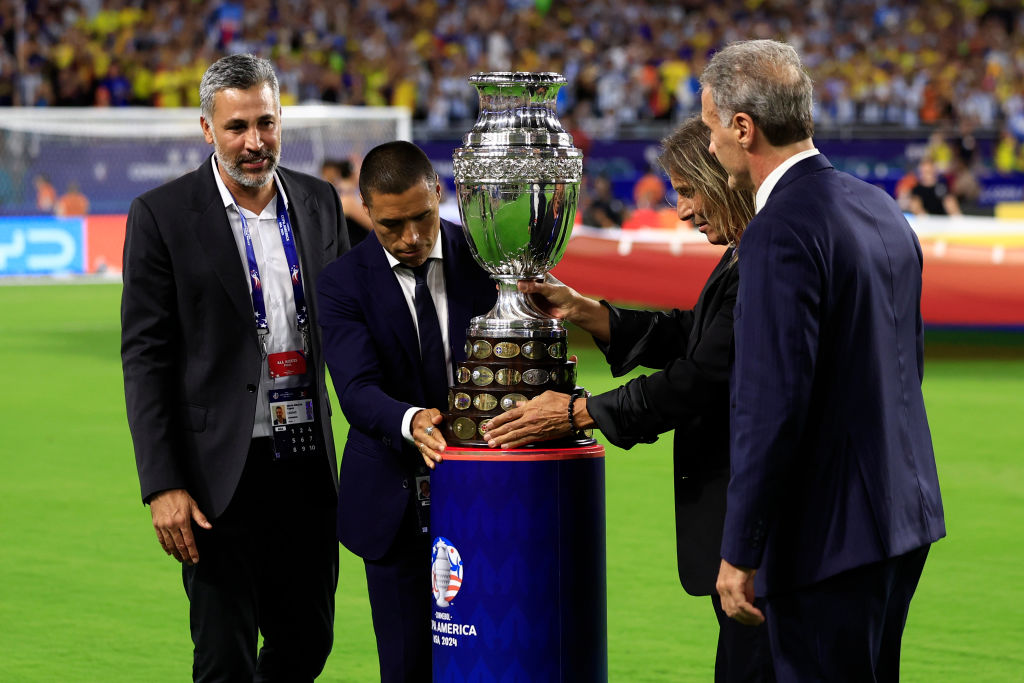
(113, 155)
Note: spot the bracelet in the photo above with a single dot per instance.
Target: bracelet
(578, 392)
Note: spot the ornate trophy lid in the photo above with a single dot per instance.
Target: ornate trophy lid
(517, 109)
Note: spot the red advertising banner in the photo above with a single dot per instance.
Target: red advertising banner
(977, 284)
(104, 243)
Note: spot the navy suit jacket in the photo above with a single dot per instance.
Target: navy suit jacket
(372, 352)
(832, 462)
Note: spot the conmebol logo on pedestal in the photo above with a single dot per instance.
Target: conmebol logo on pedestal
(445, 571)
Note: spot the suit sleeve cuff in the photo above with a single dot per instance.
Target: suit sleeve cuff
(407, 423)
(743, 548)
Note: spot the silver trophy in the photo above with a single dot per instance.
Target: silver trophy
(517, 176)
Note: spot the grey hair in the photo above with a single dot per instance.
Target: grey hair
(764, 79)
(235, 71)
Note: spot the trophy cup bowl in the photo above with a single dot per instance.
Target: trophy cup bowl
(517, 178)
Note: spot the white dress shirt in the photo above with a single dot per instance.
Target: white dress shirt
(439, 295)
(278, 294)
(765, 191)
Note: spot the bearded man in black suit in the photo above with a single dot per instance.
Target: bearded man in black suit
(219, 334)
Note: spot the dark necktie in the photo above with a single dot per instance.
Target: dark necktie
(435, 372)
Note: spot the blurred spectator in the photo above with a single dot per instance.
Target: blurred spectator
(649, 191)
(939, 152)
(932, 195)
(115, 86)
(46, 194)
(8, 71)
(342, 174)
(574, 126)
(904, 188)
(966, 145)
(1005, 155)
(72, 202)
(966, 188)
(601, 208)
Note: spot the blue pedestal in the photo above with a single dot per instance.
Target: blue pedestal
(518, 566)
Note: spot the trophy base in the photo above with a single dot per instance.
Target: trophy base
(502, 369)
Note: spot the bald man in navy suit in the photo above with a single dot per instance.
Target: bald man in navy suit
(390, 369)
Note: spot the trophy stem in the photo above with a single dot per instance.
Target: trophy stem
(514, 311)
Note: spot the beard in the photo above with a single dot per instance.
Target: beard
(233, 167)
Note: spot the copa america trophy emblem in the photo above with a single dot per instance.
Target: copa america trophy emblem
(517, 177)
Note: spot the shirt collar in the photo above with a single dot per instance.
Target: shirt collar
(765, 191)
(225, 193)
(434, 253)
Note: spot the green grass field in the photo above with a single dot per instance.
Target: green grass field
(86, 594)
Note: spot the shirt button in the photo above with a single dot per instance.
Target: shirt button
(251, 388)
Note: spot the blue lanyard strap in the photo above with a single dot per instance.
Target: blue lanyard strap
(284, 226)
(259, 306)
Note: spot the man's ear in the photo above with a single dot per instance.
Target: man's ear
(207, 132)
(745, 130)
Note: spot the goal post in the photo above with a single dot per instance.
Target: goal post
(114, 154)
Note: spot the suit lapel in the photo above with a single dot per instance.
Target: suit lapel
(708, 293)
(217, 244)
(385, 294)
(459, 301)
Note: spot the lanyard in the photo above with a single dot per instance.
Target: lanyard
(259, 306)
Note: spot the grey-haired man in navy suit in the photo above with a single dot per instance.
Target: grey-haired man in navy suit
(833, 500)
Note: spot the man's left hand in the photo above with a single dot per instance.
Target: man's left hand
(735, 586)
(427, 435)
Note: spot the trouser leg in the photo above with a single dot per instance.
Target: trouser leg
(744, 653)
(269, 565)
(400, 600)
(848, 627)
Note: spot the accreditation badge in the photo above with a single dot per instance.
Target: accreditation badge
(293, 421)
(422, 493)
(286, 364)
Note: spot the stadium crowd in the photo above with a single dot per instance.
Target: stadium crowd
(880, 62)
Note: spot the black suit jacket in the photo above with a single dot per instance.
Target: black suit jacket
(689, 394)
(189, 346)
(373, 354)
